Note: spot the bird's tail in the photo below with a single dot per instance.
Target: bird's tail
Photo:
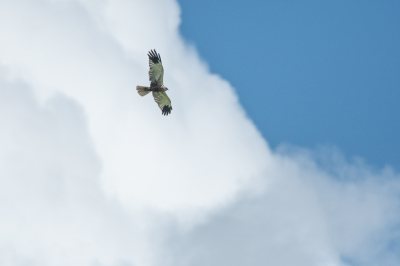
(142, 90)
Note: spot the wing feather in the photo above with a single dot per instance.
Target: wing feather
(156, 72)
(163, 101)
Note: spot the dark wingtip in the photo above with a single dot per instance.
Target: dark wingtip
(166, 110)
(154, 56)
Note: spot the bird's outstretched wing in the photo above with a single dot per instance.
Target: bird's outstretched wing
(163, 102)
(156, 71)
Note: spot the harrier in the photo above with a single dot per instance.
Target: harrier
(156, 74)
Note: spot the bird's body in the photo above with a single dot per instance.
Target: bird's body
(156, 74)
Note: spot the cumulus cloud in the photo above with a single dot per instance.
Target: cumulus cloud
(53, 211)
(92, 174)
(348, 215)
(186, 160)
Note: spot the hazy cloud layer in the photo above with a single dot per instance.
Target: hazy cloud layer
(93, 174)
(307, 216)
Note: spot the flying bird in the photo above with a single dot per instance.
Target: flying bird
(156, 74)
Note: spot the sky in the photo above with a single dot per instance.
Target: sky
(92, 174)
(309, 73)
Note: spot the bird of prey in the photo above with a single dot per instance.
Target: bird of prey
(156, 74)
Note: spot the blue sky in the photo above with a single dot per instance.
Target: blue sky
(309, 73)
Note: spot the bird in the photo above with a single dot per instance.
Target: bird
(156, 74)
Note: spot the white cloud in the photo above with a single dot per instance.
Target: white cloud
(92, 174)
(307, 216)
(170, 163)
(53, 211)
